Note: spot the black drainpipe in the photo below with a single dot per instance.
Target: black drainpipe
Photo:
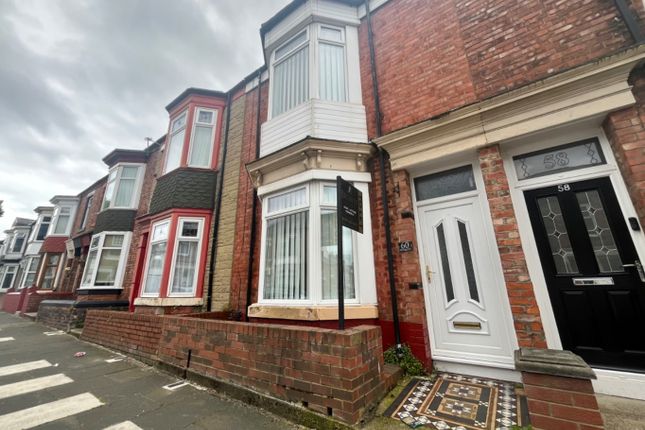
(249, 274)
(630, 21)
(381, 157)
(218, 205)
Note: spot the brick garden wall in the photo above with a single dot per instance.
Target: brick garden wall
(331, 372)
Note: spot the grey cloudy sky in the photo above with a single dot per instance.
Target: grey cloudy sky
(81, 77)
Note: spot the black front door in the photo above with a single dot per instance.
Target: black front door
(595, 281)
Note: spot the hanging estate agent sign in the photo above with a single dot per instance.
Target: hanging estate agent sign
(349, 205)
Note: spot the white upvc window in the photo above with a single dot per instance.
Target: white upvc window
(86, 211)
(106, 259)
(312, 64)
(40, 232)
(201, 143)
(175, 141)
(123, 186)
(8, 276)
(61, 224)
(18, 243)
(50, 269)
(31, 270)
(186, 257)
(299, 248)
(156, 259)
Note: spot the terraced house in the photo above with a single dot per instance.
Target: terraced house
(500, 152)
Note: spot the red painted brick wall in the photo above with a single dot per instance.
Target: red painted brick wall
(134, 334)
(435, 55)
(526, 315)
(242, 251)
(626, 132)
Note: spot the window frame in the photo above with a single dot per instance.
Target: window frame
(19, 235)
(314, 205)
(151, 242)
(56, 216)
(41, 221)
(171, 133)
(197, 123)
(118, 277)
(46, 265)
(89, 201)
(134, 199)
(277, 61)
(173, 257)
(27, 271)
(4, 276)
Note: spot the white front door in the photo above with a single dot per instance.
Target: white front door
(468, 310)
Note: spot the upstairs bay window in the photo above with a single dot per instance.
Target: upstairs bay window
(106, 260)
(61, 224)
(123, 186)
(295, 79)
(202, 131)
(201, 146)
(300, 248)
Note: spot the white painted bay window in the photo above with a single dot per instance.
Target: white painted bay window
(299, 248)
(31, 269)
(176, 142)
(185, 264)
(106, 260)
(201, 147)
(63, 219)
(123, 187)
(8, 276)
(156, 258)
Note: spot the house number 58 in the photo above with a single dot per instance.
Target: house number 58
(564, 187)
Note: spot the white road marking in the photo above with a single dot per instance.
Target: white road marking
(6, 339)
(23, 367)
(113, 360)
(32, 417)
(125, 425)
(175, 385)
(31, 385)
(53, 333)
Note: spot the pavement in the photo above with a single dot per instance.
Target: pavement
(43, 385)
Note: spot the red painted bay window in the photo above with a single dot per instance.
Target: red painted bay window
(176, 255)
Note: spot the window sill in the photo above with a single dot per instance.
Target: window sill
(168, 301)
(312, 313)
(89, 291)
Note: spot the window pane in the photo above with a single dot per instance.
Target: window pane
(17, 245)
(189, 228)
(558, 159)
(113, 241)
(8, 279)
(599, 231)
(174, 150)
(205, 117)
(160, 232)
(332, 72)
(109, 192)
(291, 45)
(329, 33)
(61, 224)
(124, 194)
(90, 265)
(468, 261)
(179, 122)
(441, 184)
(44, 226)
(445, 263)
(155, 268)
(33, 264)
(185, 265)
(558, 236)
(292, 199)
(291, 82)
(129, 172)
(329, 251)
(106, 273)
(285, 274)
(202, 144)
(329, 195)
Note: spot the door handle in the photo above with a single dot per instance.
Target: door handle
(639, 268)
(429, 273)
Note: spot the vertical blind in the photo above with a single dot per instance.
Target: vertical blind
(291, 81)
(155, 268)
(185, 265)
(125, 190)
(174, 150)
(62, 221)
(201, 149)
(332, 72)
(285, 275)
(329, 255)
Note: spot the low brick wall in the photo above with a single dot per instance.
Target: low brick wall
(335, 373)
(12, 301)
(138, 335)
(32, 300)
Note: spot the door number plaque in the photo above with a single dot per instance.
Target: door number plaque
(593, 281)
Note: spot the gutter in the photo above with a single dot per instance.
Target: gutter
(249, 274)
(384, 199)
(218, 205)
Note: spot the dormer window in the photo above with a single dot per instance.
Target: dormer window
(292, 81)
(176, 142)
(123, 184)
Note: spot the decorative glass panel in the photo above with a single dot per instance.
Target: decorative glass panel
(558, 236)
(201, 147)
(205, 116)
(179, 122)
(155, 268)
(468, 261)
(291, 81)
(185, 266)
(561, 158)
(285, 274)
(329, 252)
(445, 264)
(441, 184)
(160, 232)
(599, 231)
(332, 72)
(189, 228)
(292, 199)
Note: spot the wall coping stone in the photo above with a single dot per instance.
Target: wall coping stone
(552, 362)
(57, 302)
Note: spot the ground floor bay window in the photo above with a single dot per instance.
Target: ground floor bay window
(31, 270)
(175, 258)
(50, 270)
(299, 250)
(105, 262)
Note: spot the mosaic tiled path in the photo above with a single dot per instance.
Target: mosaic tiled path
(457, 402)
